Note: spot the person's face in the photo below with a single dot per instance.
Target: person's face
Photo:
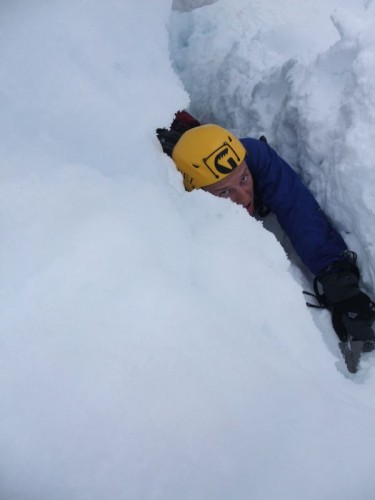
(237, 186)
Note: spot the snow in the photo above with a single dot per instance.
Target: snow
(154, 343)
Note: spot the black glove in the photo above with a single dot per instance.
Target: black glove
(353, 318)
(353, 312)
(182, 122)
(168, 139)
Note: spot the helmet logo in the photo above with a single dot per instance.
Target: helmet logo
(223, 160)
(223, 155)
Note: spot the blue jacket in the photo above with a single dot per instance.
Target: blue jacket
(279, 188)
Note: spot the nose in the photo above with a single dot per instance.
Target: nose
(241, 195)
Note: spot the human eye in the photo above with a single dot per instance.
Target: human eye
(244, 178)
(224, 193)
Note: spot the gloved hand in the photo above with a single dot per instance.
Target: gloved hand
(353, 312)
(182, 122)
(354, 317)
(168, 139)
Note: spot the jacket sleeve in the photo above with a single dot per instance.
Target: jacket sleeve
(316, 242)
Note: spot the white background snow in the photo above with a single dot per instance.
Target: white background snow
(155, 344)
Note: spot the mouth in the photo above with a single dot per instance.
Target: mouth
(250, 208)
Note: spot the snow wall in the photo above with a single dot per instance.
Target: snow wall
(155, 343)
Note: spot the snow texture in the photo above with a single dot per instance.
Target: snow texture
(154, 343)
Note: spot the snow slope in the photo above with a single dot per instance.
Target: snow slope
(155, 343)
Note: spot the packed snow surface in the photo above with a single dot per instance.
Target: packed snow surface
(155, 344)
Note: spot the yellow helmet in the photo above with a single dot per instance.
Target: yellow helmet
(206, 154)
